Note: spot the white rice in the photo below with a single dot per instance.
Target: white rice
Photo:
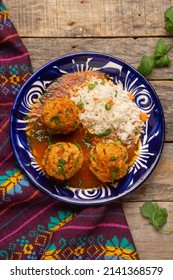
(123, 118)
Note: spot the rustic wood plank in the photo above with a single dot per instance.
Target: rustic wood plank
(87, 18)
(131, 50)
(158, 185)
(150, 243)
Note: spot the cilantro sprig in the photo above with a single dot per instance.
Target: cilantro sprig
(159, 58)
(168, 15)
(156, 215)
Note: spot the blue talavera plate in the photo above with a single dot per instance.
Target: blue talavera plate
(152, 140)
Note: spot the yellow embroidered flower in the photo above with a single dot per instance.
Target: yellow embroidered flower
(27, 249)
(78, 251)
(14, 79)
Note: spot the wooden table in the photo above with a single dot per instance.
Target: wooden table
(128, 30)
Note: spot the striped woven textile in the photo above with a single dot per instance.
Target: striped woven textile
(33, 225)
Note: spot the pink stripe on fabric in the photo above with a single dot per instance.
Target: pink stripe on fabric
(91, 227)
(5, 159)
(16, 57)
(19, 228)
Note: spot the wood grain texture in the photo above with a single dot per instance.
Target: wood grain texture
(129, 49)
(126, 29)
(150, 243)
(158, 186)
(88, 18)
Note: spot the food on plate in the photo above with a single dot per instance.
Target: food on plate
(85, 129)
(60, 115)
(62, 160)
(108, 161)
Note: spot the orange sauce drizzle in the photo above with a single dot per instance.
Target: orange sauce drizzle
(84, 178)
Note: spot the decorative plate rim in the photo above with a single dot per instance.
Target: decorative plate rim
(86, 201)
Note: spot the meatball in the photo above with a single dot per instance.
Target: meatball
(108, 161)
(60, 115)
(62, 160)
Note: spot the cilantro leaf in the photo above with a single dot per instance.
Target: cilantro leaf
(161, 48)
(168, 15)
(160, 217)
(158, 59)
(162, 61)
(146, 66)
(156, 215)
(160, 54)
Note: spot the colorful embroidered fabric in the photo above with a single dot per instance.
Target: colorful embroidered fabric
(32, 224)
